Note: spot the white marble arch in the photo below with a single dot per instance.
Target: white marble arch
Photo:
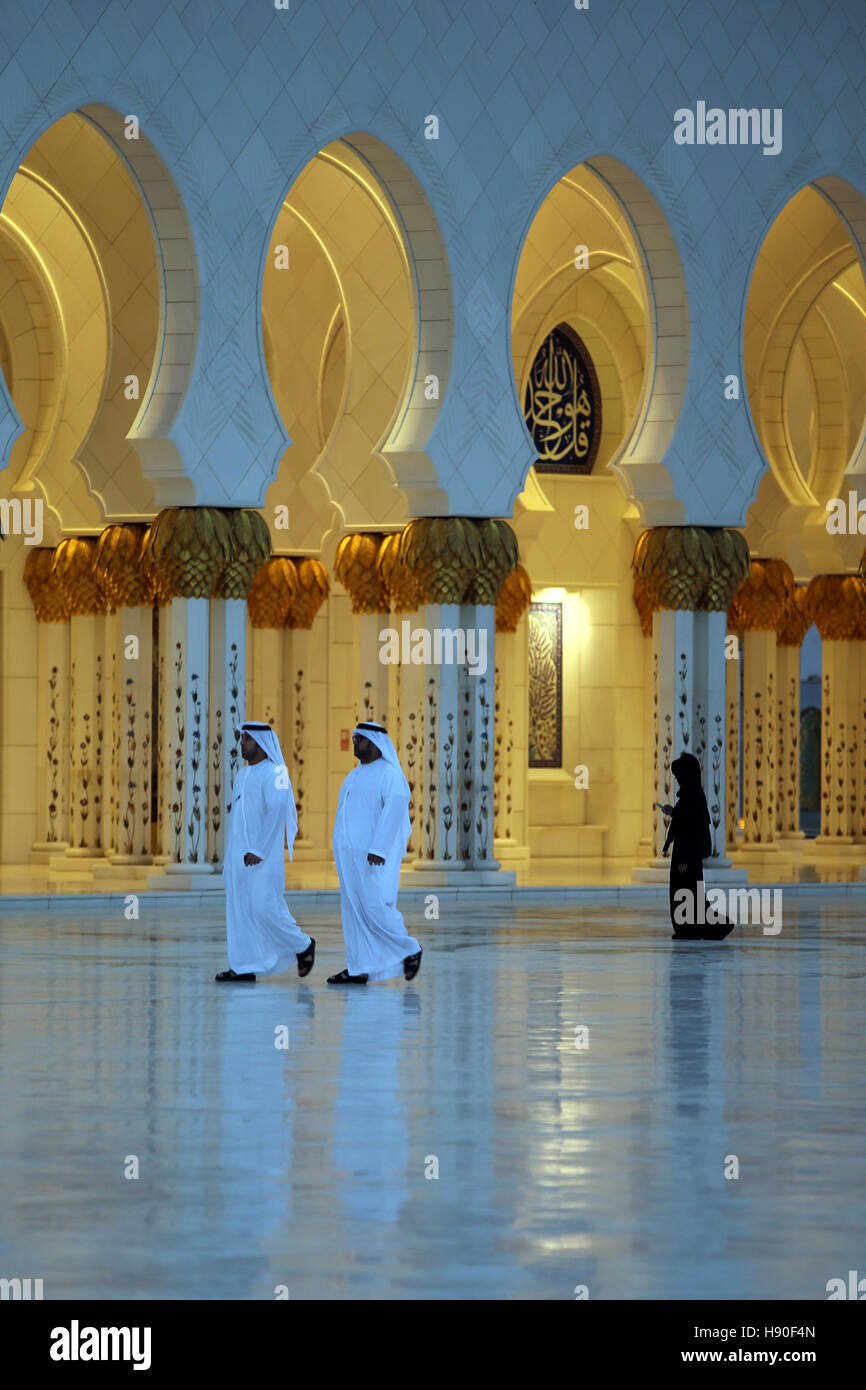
(155, 423)
(645, 479)
(787, 516)
(155, 429)
(406, 445)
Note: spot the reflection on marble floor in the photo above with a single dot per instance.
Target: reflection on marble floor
(558, 1166)
(36, 879)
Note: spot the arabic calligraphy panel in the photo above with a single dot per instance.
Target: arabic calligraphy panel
(562, 404)
(545, 685)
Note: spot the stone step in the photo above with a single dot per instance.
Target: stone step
(566, 841)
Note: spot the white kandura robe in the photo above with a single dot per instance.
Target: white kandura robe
(262, 935)
(371, 819)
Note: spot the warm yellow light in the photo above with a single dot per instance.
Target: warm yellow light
(551, 595)
(742, 823)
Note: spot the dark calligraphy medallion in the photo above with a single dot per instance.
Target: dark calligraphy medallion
(562, 405)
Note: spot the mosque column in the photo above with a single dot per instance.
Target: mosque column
(52, 705)
(187, 551)
(284, 600)
(73, 570)
(836, 603)
(789, 639)
(403, 588)
(758, 608)
(129, 699)
(356, 566)
(643, 604)
(511, 708)
(250, 546)
(732, 725)
(687, 575)
(460, 566)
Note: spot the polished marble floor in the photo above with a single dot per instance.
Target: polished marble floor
(559, 1165)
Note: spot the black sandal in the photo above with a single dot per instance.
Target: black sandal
(412, 964)
(306, 958)
(344, 978)
(228, 977)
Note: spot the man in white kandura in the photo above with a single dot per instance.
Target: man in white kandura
(370, 835)
(263, 936)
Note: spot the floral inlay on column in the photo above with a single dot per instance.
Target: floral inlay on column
(53, 762)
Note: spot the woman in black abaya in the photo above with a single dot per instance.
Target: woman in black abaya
(689, 833)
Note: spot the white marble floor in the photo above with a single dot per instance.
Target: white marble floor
(558, 1165)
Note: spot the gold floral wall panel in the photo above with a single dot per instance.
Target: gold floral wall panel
(545, 685)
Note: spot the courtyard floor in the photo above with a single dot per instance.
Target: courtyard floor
(564, 1159)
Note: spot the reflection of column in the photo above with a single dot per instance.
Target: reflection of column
(792, 629)
(687, 576)
(758, 608)
(511, 700)
(837, 605)
(52, 705)
(73, 569)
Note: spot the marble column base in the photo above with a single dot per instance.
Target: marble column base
(123, 866)
(792, 841)
(510, 849)
(42, 850)
(439, 873)
(839, 847)
(82, 862)
(183, 878)
(713, 874)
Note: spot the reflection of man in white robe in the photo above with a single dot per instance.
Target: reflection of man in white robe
(370, 835)
(263, 936)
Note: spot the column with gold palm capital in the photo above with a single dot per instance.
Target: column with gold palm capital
(249, 544)
(129, 698)
(793, 626)
(73, 571)
(52, 705)
(356, 567)
(459, 565)
(836, 603)
(684, 578)
(187, 550)
(757, 610)
(511, 706)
